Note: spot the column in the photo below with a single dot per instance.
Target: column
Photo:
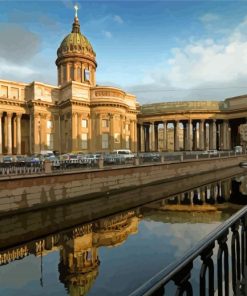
(82, 73)
(89, 134)
(142, 138)
(111, 134)
(156, 137)
(201, 135)
(36, 135)
(74, 131)
(61, 74)
(184, 136)
(189, 135)
(18, 133)
(75, 71)
(5, 128)
(1, 135)
(9, 133)
(176, 135)
(135, 136)
(151, 137)
(194, 137)
(14, 136)
(67, 73)
(165, 135)
(212, 134)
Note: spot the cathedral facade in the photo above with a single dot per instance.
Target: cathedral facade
(77, 115)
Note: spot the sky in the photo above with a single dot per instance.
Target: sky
(158, 50)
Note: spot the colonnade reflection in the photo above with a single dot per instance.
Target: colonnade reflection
(78, 247)
(188, 135)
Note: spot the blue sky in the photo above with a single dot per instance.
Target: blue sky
(158, 50)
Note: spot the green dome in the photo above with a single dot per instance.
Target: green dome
(75, 43)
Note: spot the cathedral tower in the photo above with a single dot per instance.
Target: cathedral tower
(76, 57)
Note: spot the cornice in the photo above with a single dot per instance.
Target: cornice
(41, 103)
(12, 102)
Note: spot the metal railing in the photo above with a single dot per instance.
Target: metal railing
(234, 231)
(28, 168)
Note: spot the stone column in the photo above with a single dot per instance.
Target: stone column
(164, 135)
(82, 73)
(43, 132)
(75, 71)
(5, 135)
(142, 138)
(151, 137)
(156, 137)
(61, 74)
(67, 72)
(212, 134)
(74, 130)
(36, 132)
(201, 135)
(229, 140)
(18, 133)
(111, 135)
(1, 135)
(9, 136)
(176, 135)
(184, 135)
(189, 135)
(135, 136)
(194, 137)
(89, 133)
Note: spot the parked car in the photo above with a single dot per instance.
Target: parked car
(8, 159)
(238, 149)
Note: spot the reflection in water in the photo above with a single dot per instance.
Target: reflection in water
(79, 264)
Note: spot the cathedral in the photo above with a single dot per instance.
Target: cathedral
(76, 116)
(80, 116)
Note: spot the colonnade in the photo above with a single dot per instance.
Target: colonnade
(10, 133)
(212, 193)
(187, 135)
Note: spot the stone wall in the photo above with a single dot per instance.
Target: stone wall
(27, 193)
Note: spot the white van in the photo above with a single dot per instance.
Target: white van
(126, 153)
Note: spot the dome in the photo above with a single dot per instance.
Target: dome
(75, 44)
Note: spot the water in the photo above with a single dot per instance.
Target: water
(116, 254)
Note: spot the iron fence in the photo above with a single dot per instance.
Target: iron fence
(216, 276)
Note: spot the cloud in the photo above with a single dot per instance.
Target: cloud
(19, 17)
(209, 18)
(18, 44)
(203, 69)
(107, 34)
(6, 68)
(118, 19)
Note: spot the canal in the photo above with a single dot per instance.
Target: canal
(115, 254)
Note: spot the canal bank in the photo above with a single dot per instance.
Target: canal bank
(26, 193)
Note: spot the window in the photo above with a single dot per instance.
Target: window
(49, 124)
(105, 141)
(86, 75)
(127, 142)
(116, 138)
(83, 141)
(84, 123)
(105, 123)
(49, 142)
